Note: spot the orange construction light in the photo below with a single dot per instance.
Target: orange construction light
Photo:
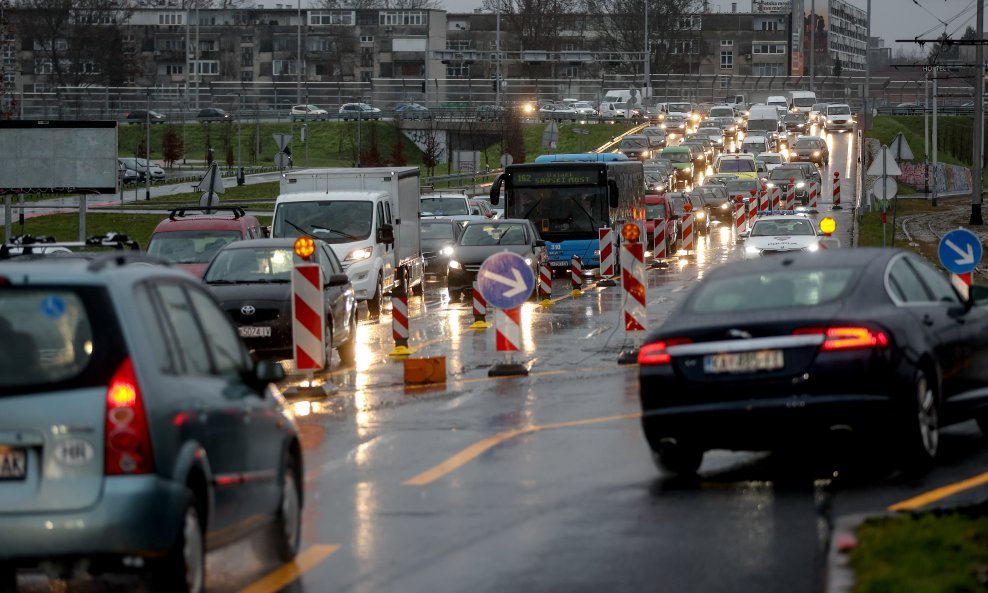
(828, 225)
(631, 232)
(305, 247)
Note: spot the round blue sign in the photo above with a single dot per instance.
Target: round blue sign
(506, 280)
(960, 251)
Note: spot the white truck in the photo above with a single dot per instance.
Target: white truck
(801, 101)
(368, 216)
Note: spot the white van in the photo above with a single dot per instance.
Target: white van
(839, 118)
(778, 101)
(801, 101)
(755, 144)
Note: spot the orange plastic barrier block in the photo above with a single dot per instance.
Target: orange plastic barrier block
(420, 371)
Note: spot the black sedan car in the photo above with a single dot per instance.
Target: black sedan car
(140, 116)
(482, 239)
(252, 282)
(209, 114)
(438, 237)
(789, 349)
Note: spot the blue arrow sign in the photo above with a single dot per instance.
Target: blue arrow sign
(960, 251)
(506, 280)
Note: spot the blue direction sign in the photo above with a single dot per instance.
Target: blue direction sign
(960, 251)
(506, 280)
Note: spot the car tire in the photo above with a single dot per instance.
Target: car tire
(348, 350)
(679, 460)
(288, 525)
(375, 302)
(183, 570)
(921, 438)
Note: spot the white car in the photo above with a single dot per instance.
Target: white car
(775, 233)
(359, 111)
(772, 159)
(839, 118)
(557, 112)
(307, 112)
(584, 108)
(142, 167)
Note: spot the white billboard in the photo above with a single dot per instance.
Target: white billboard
(58, 156)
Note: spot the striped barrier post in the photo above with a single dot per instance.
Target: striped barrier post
(752, 206)
(672, 236)
(776, 198)
(545, 284)
(479, 309)
(576, 274)
(814, 188)
(308, 318)
(791, 195)
(739, 217)
(836, 205)
(399, 321)
(507, 327)
(605, 241)
(688, 234)
(962, 282)
(763, 199)
(659, 241)
(633, 285)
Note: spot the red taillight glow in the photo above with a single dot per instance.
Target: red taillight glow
(655, 354)
(847, 337)
(127, 441)
(4, 281)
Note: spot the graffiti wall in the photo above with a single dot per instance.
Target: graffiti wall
(946, 178)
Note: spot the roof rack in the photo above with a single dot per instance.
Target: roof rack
(27, 244)
(237, 211)
(122, 258)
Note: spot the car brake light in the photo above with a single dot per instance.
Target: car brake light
(656, 353)
(847, 337)
(127, 441)
(4, 281)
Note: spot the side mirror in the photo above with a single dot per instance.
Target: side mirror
(337, 280)
(540, 243)
(977, 295)
(613, 196)
(386, 234)
(268, 371)
(743, 234)
(495, 194)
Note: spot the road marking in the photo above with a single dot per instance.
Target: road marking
(939, 494)
(479, 448)
(287, 573)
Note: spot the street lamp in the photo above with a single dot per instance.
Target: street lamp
(298, 56)
(147, 147)
(240, 154)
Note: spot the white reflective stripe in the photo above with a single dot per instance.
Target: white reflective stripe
(742, 345)
(309, 343)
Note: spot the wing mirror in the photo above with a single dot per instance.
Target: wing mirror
(337, 280)
(977, 295)
(386, 234)
(540, 243)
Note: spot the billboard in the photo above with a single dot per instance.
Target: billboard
(58, 156)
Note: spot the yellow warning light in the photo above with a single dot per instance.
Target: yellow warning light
(305, 247)
(828, 225)
(631, 232)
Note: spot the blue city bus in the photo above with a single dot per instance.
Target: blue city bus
(569, 201)
(584, 157)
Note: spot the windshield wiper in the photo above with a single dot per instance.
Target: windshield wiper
(220, 282)
(329, 230)
(296, 227)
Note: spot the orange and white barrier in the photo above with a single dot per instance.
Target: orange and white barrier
(763, 199)
(776, 197)
(308, 318)
(659, 240)
(813, 190)
(752, 207)
(739, 216)
(576, 272)
(791, 195)
(688, 235)
(399, 321)
(605, 240)
(545, 282)
(508, 328)
(479, 309)
(836, 205)
(633, 284)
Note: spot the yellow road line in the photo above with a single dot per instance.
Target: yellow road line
(479, 448)
(287, 573)
(940, 493)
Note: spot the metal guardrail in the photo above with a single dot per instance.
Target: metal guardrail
(941, 110)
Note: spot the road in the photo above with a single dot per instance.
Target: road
(544, 483)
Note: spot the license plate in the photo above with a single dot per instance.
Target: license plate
(743, 362)
(251, 331)
(13, 463)
(560, 264)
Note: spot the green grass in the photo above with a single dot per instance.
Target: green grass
(928, 553)
(231, 195)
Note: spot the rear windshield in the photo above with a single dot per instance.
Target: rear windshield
(737, 166)
(55, 338)
(677, 157)
(780, 174)
(771, 159)
(634, 142)
(493, 234)
(261, 264)
(444, 206)
(721, 112)
(437, 230)
(190, 247)
(771, 290)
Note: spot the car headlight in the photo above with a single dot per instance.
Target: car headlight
(528, 260)
(447, 250)
(700, 215)
(454, 264)
(770, 184)
(812, 247)
(724, 206)
(646, 153)
(688, 169)
(662, 125)
(816, 153)
(359, 254)
(800, 185)
(752, 250)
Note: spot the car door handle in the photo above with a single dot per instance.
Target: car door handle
(927, 320)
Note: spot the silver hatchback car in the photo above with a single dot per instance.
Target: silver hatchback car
(135, 432)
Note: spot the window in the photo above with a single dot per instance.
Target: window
(9, 77)
(175, 69)
(9, 55)
(571, 72)
(758, 47)
(171, 18)
(247, 56)
(725, 82)
(402, 17)
(340, 18)
(727, 60)
(690, 23)
(366, 39)
(42, 66)
(285, 44)
(321, 44)
(938, 285)
(89, 68)
(206, 67)
(179, 318)
(457, 71)
(207, 45)
(768, 69)
(228, 354)
(247, 76)
(283, 67)
(727, 43)
(905, 285)
(686, 46)
(458, 44)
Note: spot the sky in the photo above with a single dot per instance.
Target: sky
(890, 19)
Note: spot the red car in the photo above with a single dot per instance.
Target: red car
(190, 237)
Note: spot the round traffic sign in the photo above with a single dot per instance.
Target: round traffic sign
(506, 280)
(960, 251)
(507, 159)
(885, 188)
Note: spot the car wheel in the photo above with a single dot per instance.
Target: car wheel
(922, 424)
(680, 460)
(374, 304)
(348, 350)
(183, 570)
(288, 526)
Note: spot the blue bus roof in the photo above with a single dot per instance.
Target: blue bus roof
(581, 157)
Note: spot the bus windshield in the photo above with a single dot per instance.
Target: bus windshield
(561, 211)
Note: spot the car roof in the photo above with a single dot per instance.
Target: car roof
(218, 221)
(859, 257)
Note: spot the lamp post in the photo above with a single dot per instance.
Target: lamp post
(645, 92)
(497, 60)
(240, 154)
(147, 147)
(298, 56)
(197, 66)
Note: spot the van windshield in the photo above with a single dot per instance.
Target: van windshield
(803, 101)
(679, 107)
(721, 112)
(840, 110)
(333, 221)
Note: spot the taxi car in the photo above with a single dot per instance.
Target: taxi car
(781, 232)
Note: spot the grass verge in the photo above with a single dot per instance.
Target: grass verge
(926, 553)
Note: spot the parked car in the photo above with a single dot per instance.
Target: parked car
(125, 174)
(190, 237)
(359, 111)
(142, 167)
(412, 111)
(479, 240)
(307, 113)
(252, 281)
(784, 352)
(160, 414)
(557, 112)
(140, 116)
(213, 114)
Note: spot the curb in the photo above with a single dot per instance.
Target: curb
(838, 577)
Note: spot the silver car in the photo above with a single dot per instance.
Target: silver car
(135, 432)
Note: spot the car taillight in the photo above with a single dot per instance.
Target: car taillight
(127, 441)
(847, 337)
(656, 353)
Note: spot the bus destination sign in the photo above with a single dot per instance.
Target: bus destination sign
(556, 177)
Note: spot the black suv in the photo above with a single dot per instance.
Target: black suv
(213, 114)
